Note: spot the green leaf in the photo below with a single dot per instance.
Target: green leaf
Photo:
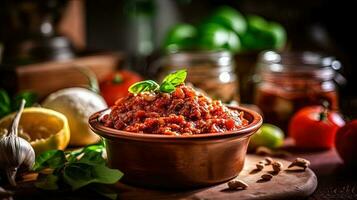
(176, 78)
(78, 175)
(167, 87)
(91, 153)
(5, 107)
(49, 182)
(143, 86)
(50, 159)
(30, 98)
(92, 157)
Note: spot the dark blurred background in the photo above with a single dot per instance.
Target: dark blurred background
(137, 28)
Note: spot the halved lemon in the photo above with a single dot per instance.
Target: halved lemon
(45, 129)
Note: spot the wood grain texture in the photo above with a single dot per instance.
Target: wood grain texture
(288, 184)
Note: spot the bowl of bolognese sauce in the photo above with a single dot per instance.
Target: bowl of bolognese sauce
(182, 139)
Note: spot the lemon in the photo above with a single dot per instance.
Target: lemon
(45, 129)
(77, 104)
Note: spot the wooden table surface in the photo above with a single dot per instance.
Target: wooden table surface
(335, 181)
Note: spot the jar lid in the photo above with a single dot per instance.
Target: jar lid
(298, 64)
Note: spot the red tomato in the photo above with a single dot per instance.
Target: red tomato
(315, 127)
(116, 85)
(346, 142)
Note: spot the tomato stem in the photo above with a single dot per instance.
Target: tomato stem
(117, 79)
(323, 113)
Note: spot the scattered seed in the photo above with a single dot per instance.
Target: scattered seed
(277, 166)
(237, 184)
(268, 160)
(300, 162)
(260, 166)
(267, 177)
(264, 151)
(262, 162)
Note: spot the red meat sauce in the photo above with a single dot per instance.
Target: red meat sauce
(183, 112)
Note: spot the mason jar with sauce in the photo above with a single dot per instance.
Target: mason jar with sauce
(211, 71)
(289, 81)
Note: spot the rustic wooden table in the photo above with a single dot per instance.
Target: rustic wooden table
(335, 181)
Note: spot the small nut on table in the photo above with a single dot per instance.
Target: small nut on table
(260, 166)
(300, 162)
(237, 184)
(277, 166)
(267, 177)
(268, 160)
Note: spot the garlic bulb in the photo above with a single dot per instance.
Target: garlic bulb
(15, 152)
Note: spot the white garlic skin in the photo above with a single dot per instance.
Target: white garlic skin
(15, 152)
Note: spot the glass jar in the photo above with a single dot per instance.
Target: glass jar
(290, 81)
(213, 72)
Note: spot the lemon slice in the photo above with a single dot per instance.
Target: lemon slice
(45, 129)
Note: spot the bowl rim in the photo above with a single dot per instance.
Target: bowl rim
(106, 132)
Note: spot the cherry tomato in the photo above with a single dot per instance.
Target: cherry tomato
(346, 142)
(116, 85)
(315, 127)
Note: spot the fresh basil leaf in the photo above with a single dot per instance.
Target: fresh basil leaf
(92, 157)
(167, 87)
(78, 175)
(50, 159)
(49, 182)
(5, 106)
(176, 78)
(143, 86)
(30, 97)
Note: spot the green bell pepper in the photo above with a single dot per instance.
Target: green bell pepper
(213, 36)
(263, 35)
(180, 37)
(230, 18)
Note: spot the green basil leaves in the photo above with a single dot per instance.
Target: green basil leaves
(168, 85)
(172, 80)
(144, 86)
(77, 169)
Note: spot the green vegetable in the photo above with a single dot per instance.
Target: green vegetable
(172, 80)
(50, 159)
(168, 85)
(144, 86)
(8, 105)
(216, 37)
(180, 37)
(77, 169)
(268, 135)
(263, 35)
(78, 175)
(230, 18)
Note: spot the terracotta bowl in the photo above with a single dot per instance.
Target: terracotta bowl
(184, 162)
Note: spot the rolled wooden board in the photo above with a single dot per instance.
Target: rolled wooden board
(288, 184)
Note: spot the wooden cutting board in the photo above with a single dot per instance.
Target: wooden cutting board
(288, 184)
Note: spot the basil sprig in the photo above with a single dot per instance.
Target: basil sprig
(144, 86)
(82, 168)
(168, 85)
(172, 80)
